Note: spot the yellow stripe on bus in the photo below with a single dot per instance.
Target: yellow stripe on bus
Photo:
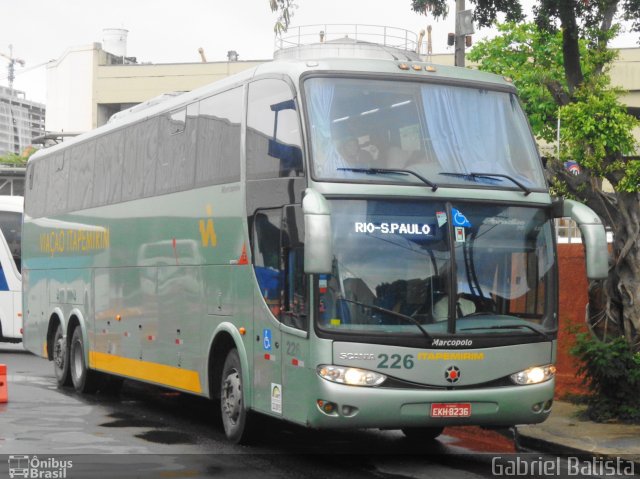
(169, 376)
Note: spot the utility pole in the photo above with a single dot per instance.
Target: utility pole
(459, 45)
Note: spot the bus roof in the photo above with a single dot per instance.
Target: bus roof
(295, 69)
(382, 66)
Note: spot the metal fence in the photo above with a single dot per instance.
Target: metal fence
(323, 33)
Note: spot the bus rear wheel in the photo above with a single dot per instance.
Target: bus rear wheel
(423, 433)
(84, 380)
(61, 358)
(236, 420)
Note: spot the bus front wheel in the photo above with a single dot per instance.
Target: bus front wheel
(61, 358)
(235, 417)
(84, 380)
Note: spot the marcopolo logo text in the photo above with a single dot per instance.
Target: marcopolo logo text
(452, 343)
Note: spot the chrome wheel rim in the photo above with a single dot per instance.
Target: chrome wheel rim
(77, 362)
(58, 353)
(232, 396)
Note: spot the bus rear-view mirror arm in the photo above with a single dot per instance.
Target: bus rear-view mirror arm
(594, 236)
(318, 250)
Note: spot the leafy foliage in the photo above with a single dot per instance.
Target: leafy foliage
(286, 10)
(598, 133)
(596, 130)
(484, 14)
(547, 13)
(12, 159)
(612, 375)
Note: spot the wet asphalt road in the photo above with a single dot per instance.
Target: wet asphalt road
(150, 432)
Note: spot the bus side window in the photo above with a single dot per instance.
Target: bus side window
(267, 259)
(274, 142)
(81, 166)
(58, 183)
(278, 253)
(295, 299)
(218, 138)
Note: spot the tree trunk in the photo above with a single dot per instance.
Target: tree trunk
(614, 305)
(570, 45)
(622, 292)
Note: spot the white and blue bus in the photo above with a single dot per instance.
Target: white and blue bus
(339, 243)
(10, 264)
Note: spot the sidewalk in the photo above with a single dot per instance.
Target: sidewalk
(566, 432)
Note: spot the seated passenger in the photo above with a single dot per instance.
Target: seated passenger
(441, 308)
(388, 155)
(355, 156)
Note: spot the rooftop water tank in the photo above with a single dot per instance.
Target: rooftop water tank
(114, 41)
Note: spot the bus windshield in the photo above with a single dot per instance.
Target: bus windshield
(450, 135)
(491, 270)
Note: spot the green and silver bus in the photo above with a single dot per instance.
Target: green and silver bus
(339, 243)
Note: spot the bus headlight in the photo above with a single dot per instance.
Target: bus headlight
(350, 376)
(535, 375)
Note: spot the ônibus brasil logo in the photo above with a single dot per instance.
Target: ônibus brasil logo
(32, 467)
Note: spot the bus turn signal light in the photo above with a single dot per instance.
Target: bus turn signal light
(327, 407)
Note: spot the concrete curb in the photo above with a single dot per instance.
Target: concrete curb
(528, 443)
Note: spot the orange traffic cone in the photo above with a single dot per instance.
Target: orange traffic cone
(4, 393)
(243, 256)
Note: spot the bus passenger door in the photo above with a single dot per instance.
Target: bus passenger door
(281, 357)
(274, 178)
(294, 317)
(267, 377)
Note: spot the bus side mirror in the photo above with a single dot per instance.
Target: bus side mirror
(318, 250)
(594, 236)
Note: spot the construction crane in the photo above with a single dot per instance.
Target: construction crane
(12, 65)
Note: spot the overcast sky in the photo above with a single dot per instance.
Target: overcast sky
(161, 31)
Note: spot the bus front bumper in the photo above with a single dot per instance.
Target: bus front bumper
(387, 408)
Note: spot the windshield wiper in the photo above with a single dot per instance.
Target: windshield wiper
(377, 171)
(475, 175)
(392, 313)
(509, 326)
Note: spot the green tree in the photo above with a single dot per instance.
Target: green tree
(596, 132)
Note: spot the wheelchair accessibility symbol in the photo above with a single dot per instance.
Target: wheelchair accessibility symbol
(459, 219)
(266, 339)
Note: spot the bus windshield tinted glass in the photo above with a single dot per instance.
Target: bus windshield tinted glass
(444, 133)
(397, 256)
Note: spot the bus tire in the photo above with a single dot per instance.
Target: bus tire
(84, 380)
(60, 357)
(422, 433)
(236, 420)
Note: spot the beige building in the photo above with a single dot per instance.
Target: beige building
(87, 84)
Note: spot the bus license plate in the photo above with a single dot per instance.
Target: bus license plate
(451, 410)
